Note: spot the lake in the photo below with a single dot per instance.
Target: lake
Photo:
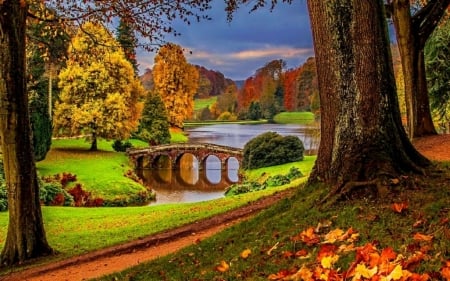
(189, 184)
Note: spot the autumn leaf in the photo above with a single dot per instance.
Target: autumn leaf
(397, 273)
(333, 236)
(303, 274)
(328, 261)
(445, 271)
(422, 237)
(246, 253)
(301, 253)
(280, 275)
(308, 236)
(326, 250)
(399, 207)
(223, 266)
(362, 271)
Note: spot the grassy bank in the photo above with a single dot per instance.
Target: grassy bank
(400, 235)
(294, 118)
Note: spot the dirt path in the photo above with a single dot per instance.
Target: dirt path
(118, 258)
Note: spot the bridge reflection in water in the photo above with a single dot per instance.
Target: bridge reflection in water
(189, 183)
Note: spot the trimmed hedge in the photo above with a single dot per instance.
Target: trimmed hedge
(270, 149)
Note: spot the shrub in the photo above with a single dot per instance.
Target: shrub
(53, 194)
(120, 146)
(80, 196)
(239, 188)
(294, 173)
(3, 198)
(270, 149)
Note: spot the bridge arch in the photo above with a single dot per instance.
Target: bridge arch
(146, 157)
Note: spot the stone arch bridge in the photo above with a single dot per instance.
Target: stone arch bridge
(148, 157)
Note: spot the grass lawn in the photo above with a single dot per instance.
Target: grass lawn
(199, 104)
(402, 231)
(100, 172)
(294, 118)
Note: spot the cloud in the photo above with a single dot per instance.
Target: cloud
(281, 52)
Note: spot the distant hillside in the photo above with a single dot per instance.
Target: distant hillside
(212, 83)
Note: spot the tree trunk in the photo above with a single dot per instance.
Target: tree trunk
(412, 33)
(424, 121)
(94, 142)
(402, 22)
(363, 141)
(26, 236)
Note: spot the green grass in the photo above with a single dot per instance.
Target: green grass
(202, 103)
(294, 118)
(270, 235)
(100, 172)
(304, 167)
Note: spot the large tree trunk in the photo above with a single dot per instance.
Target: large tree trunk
(26, 236)
(363, 141)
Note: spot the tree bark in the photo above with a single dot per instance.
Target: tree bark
(26, 237)
(362, 138)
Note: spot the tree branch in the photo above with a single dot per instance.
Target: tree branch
(427, 18)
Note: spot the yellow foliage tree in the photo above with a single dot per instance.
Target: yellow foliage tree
(176, 81)
(100, 95)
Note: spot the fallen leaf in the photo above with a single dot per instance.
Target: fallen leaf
(308, 236)
(301, 253)
(422, 237)
(445, 271)
(279, 275)
(246, 253)
(328, 261)
(362, 271)
(288, 254)
(399, 207)
(396, 274)
(333, 236)
(395, 181)
(223, 266)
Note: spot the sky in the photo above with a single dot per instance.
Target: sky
(240, 47)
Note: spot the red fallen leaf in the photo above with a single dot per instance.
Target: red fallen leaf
(363, 253)
(280, 275)
(388, 254)
(288, 254)
(399, 207)
(301, 253)
(419, 277)
(445, 272)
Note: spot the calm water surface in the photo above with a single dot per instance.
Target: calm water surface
(189, 184)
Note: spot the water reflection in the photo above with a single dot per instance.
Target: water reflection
(189, 183)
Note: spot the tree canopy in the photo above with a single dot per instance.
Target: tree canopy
(100, 95)
(176, 81)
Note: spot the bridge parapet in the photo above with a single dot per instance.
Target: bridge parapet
(175, 151)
